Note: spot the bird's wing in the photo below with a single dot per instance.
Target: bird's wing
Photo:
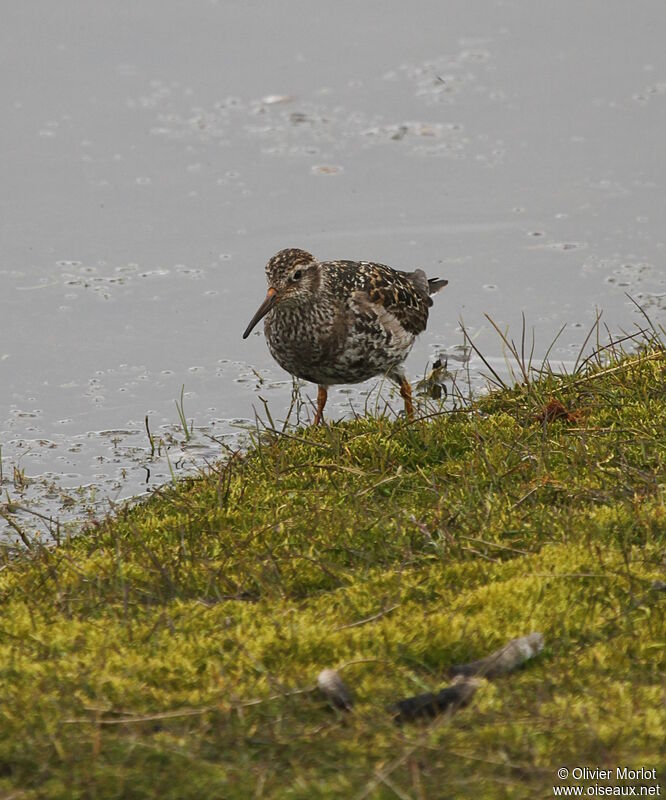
(405, 295)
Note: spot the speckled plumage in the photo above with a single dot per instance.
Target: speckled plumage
(336, 322)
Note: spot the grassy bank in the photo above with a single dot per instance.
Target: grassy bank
(172, 651)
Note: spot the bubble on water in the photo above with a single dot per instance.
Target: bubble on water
(191, 272)
(326, 169)
(475, 55)
(566, 245)
(274, 99)
(154, 273)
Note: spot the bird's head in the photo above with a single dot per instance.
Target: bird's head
(292, 275)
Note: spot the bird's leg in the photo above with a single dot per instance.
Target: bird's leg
(322, 394)
(406, 394)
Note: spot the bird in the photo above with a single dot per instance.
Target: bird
(339, 322)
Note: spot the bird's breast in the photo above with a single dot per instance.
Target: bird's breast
(303, 339)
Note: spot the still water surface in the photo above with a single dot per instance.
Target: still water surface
(155, 155)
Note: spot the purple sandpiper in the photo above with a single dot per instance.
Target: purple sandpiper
(332, 322)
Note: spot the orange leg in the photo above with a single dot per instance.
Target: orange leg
(322, 395)
(406, 394)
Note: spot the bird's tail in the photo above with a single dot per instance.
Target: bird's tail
(435, 284)
(425, 286)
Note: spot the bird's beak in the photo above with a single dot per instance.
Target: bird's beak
(264, 308)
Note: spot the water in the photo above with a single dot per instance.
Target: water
(154, 156)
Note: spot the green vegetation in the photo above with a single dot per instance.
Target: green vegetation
(172, 651)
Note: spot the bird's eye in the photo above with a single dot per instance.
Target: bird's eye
(297, 275)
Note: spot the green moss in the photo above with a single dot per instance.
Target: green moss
(171, 650)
